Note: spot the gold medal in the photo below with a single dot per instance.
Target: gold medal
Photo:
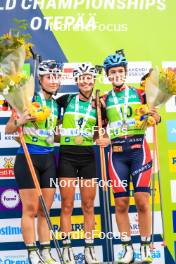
(79, 140)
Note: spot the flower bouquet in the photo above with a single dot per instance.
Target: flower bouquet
(160, 86)
(16, 87)
(14, 48)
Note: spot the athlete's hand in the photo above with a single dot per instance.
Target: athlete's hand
(24, 118)
(153, 112)
(103, 142)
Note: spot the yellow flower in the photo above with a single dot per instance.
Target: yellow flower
(40, 113)
(167, 80)
(21, 41)
(151, 121)
(18, 77)
(46, 111)
(139, 124)
(143, 109)
(4, 81)
(7, 36)
(137, 117)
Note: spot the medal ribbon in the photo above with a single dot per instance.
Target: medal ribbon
(84, 121)
(52, 110)
(123, 117)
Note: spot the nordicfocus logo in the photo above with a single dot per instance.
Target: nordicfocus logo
(10, 198)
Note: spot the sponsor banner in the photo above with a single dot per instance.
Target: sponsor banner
(169, 64)
(135, 226)
(21, 256)
(79, 254)
(7, 141)
(172, 160)
(14, 257)
(157, 254)
(6, 167)
(10, 230)
(136, 69)
(77, 199)
(173, 190)
(9, 199)
(77, 223)
(171, 130)
(4, 113)
(171, 104)
(174, 220)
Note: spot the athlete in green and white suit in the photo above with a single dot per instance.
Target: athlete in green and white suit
(40, 143)
(77, 159)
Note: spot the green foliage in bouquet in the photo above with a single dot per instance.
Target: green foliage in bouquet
(14, 39)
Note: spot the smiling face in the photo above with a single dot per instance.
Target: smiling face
(50, 82)
(86, 83)
(117, 75)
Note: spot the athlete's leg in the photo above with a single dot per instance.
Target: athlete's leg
(42, 226)
(122, 217)
(67, 183)
(120, 177)
(43, 229)
(88, 192)
(87, 173)
(67, 190)
(47, 177)
(144, 213)
(29, 211)
(141, 168)
(29, 198)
